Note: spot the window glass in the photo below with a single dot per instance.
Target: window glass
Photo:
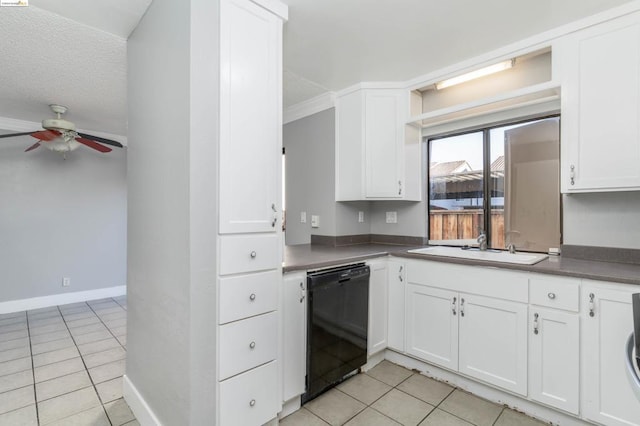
(520, 165)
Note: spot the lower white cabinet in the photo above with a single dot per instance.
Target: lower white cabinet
(294, 334)
(432, 325)
(554, 338)
(377, 324)
(247, 399)
(395, 309)
(607, 322)
(493, 341)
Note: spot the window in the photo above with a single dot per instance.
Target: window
(504, 181)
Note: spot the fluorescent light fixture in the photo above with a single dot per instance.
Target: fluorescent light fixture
(491, 69)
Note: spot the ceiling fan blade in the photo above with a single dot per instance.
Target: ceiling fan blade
(101, 140)
(16, 134)
(93, 144)
(32, 147)
(46, 135)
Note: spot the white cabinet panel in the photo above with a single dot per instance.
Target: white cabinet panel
(395, 317)
(250, 118)
(248, 398)
(493, 341)
(294, 335)
(248, 253)
(248, 295)
(555, 358)
(248, 343)
(555, 292)
(601, 107)
(608, 397)
(432, 325)
(377, 335)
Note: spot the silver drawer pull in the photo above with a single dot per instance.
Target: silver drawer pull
(253, 254)
(252, 297)
(551, 296)
(252, 345)
(252, 402)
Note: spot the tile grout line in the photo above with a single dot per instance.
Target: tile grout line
(33, 371)
(105, 325)
(86, 369)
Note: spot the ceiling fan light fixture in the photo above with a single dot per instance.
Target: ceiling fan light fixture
(482, 72)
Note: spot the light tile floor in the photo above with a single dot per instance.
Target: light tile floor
(389, 395)
(63, 365)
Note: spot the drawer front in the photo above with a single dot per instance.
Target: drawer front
(555, 292)
(248, 295)
(247, 253)
(248, 343)
(250, 398)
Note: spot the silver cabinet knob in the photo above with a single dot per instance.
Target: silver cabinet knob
(252, 402)
(252, 297)
(253, 254)
(252, 345)
(551, 296)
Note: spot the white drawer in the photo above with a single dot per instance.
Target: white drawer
(250, 398)
(248, 343)
(247, 253)
(555, 292)
(248, 295)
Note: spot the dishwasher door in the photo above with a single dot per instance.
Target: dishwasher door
(337, 323)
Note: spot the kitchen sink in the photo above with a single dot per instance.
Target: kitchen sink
(489, 255)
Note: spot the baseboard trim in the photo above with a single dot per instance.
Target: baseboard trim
(138, 405)
(60, 299)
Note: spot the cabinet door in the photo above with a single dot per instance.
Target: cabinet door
(294, 335)
(377, 333)
(383, 144)
(395, 318)
(608, 397)
(250, 118)
(601, 107)
(432, 325)
(555, 358)
(493, 341)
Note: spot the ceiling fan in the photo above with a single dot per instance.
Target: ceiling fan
(60, 135)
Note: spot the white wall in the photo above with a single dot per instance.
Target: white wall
(61, 218)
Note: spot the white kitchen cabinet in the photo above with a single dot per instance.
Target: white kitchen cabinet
(554, 342)
(371, 160)
(601, 107)
(493, 341)
(607, 322)
(395, 310)
(250, 118)
(294, 334)
(377, 324)
(432, 325)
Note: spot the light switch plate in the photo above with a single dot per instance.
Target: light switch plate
(315, 221)
(303, 217)
(360, 217)
(392, 217)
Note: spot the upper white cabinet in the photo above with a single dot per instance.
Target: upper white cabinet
(607, 322)
(375, 154)
(250, 118)
(600, 68)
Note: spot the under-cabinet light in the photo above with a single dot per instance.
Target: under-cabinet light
(491, 69)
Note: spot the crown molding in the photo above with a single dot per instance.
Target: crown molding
(309, 107)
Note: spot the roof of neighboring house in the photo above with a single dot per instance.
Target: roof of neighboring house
(448, 168)
(498, 164)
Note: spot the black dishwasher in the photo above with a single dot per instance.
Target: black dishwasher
(337, 322)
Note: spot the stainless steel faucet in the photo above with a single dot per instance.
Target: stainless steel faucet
(482, 241)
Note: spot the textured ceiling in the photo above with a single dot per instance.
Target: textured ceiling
(73, 52)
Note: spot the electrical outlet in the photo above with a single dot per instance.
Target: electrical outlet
(360, 217)
(303, 217)
(66, 282)
(315, 221)
(392, 217)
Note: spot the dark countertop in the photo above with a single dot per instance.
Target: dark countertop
(307, 257)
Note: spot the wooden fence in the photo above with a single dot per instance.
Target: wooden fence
(464, 224)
